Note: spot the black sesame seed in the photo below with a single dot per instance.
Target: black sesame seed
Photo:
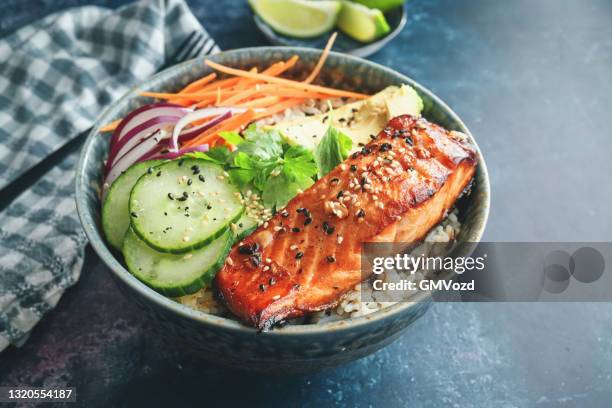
(150, 170)
(335, 180)
(208, 207)
(355, 155)
(295, 229)
(299, 210)
(342, 120)
(329, 229)
(165, 213)
(360, 144)
(331, 259)
(180, 162)
(325, 119)
(171, 196)
(272, 282)
(185, 194)
(353, 167)
(409, 141)
(299, 255)
(189, 181)
(255, 260)
(262, 287)
(340, 194)
(385, 147)
(284, 214)
(360, 213)
(373, 137)
(201, 178)
(158, 173)
(133, 214)
(307, 221)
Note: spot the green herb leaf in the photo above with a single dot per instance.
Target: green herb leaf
(219, 155)
(332, 150)
(232, 137)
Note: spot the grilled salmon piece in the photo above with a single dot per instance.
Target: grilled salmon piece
(307, 256)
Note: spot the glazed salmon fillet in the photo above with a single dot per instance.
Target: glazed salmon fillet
(307, 256)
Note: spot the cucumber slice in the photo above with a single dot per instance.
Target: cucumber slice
(244, 227)
(175, 275)
(183, 205)
(115, 209)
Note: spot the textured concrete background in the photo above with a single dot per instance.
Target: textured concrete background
(532, 81)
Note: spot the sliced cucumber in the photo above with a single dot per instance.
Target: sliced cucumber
(115, 211)
(244, 227)
(183, 205)
(175, 275)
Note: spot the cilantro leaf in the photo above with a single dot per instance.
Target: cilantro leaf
(263, 144)
(219, 155)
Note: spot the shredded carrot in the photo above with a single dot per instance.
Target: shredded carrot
(283, 81)
(233, 123)
(322, 58)
(111, 126)
(195, 85)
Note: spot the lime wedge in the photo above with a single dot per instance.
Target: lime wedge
(362, 23)
(298, 18)
(382, 5)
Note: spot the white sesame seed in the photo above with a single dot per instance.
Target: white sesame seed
(339, 239)
(188, 256)
(221, 177)
(266, 268)
(276, 297)
(229, 261)
(186, 239)
(293, 247)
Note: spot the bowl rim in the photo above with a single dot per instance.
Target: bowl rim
(101, 248)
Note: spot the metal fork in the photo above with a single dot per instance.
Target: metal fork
(194, 45)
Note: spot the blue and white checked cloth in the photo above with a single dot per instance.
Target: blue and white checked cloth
(56, 76)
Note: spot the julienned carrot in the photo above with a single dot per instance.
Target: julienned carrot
(111, 126)
(322, 58)
(195, 95)
(197, 84)
(233, 123)
(283, 81)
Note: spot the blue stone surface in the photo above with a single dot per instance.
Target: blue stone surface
(532, 81)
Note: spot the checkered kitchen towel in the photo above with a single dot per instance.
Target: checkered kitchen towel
(56, 76)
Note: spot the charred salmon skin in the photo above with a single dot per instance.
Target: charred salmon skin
(307, 256)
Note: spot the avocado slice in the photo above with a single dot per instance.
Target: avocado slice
(358, 120)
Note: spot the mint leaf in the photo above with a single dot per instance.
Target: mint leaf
(332, 150)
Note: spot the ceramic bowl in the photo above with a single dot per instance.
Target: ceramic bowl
(228, 342)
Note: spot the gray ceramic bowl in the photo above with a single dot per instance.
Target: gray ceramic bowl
(227, 342)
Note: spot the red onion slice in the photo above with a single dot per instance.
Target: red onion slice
(144, 113)
(198, 115)
(139, 134)
(131, 157)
